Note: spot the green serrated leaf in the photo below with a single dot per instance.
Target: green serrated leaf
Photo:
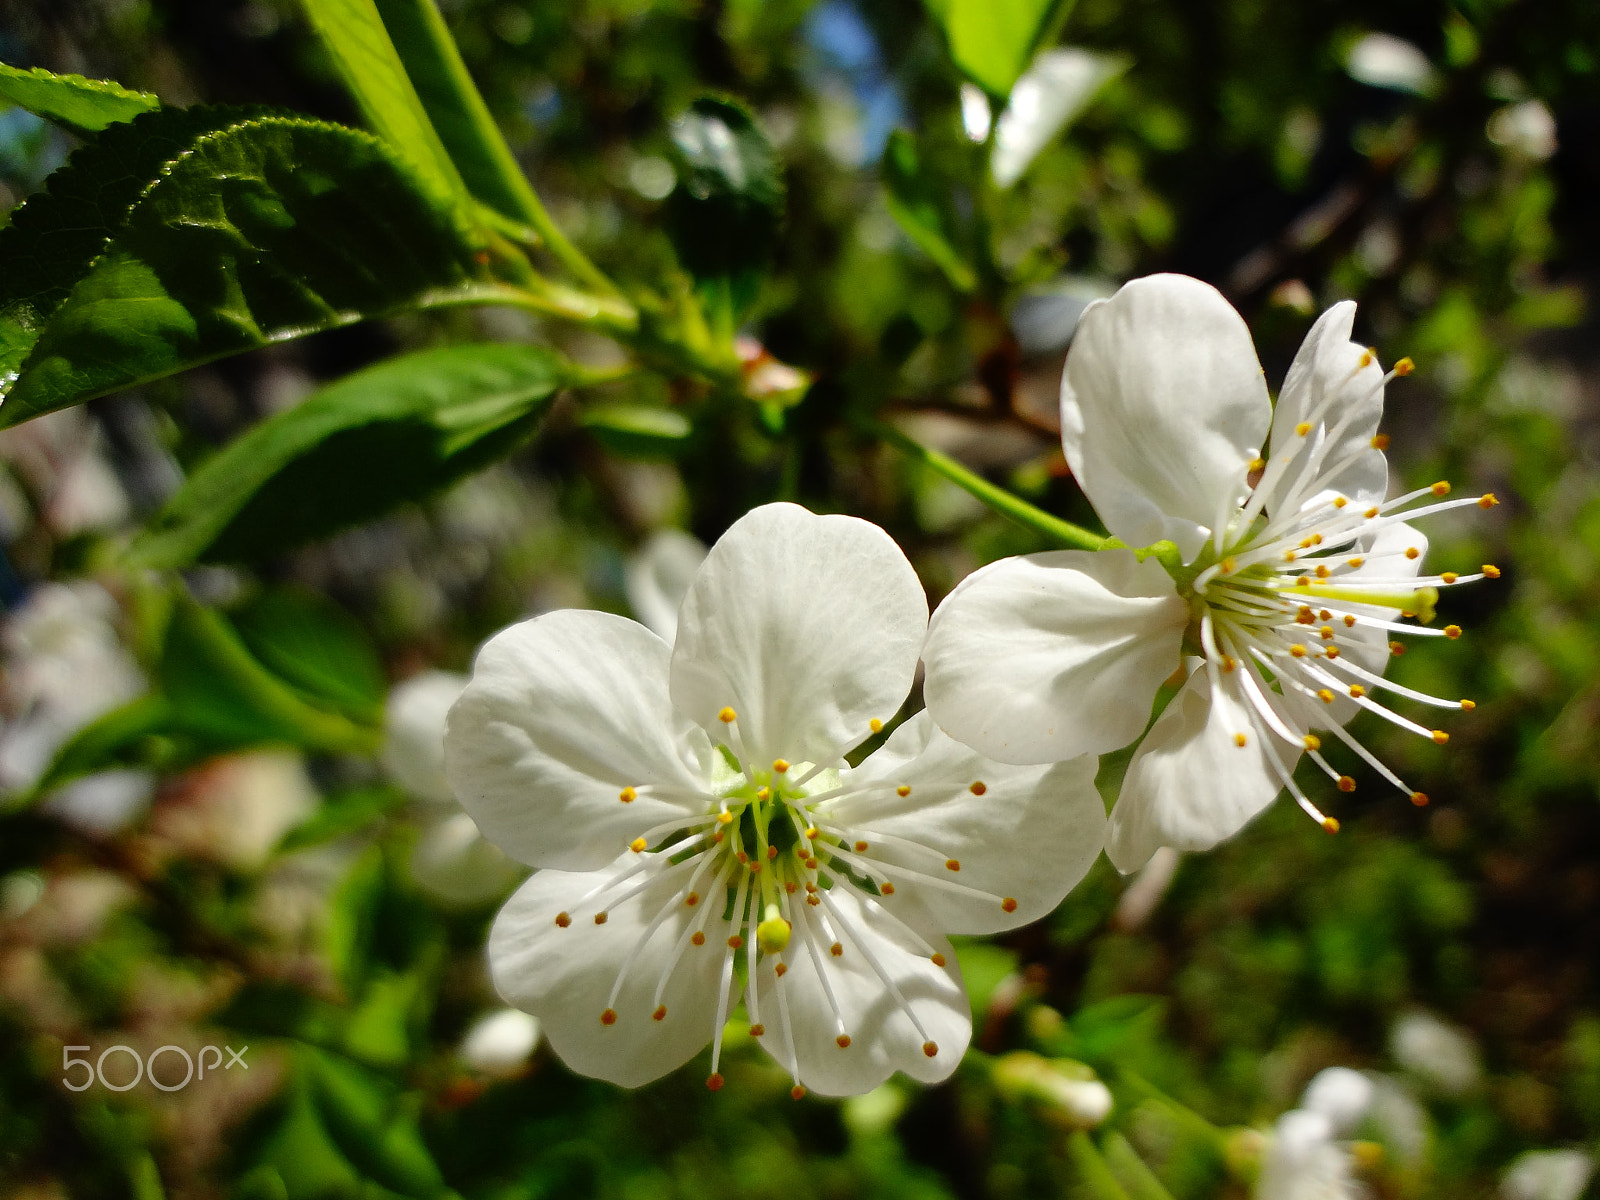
(457, 110)
(918, 206)
(55, 236)
(724, 214)
(87, 105)
(355, 36)
(993, 43)
(359, 447)
(267, 229)
(316, 647)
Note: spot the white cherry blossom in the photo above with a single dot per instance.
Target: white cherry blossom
(1285, 575)
(699, 832)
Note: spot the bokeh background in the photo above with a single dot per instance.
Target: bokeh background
(1438, 162)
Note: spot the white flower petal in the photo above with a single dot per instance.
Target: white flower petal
(658, 575)
(807, 627)
(564, 976)
(1339, 384)
(1190, 785)
(1162, 409)
(413, 733)
(1030, 834)
(563, 712)
(883, 1038)
(1047, 657)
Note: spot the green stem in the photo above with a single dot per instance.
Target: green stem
(1092, 1168)
(1136, 1176)
(1007, 504)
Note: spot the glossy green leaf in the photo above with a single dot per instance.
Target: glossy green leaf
(724, 214)
(118, 738)
(456, 109)
(355, 36)
(372, 1124)
(316, 647)
(267, 229)
(87, 105)
(54, 237)
(637, 430)
(918, 205)
(218, 690)
(992, 42)
(391, 433)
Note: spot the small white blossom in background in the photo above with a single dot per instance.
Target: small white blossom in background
(1385, 61)
(1526, 128)
(1440, 1055)
(451, 861)
(690, 811)
(658, 575)
(65, 666)
(499, 1043)
(1310, 1153)
(1548, 1175)
(1286, 575)
(1065, 1091)
(237, 808)
(1304, 1161)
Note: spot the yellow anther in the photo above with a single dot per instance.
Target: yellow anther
(1405, 366)
(1420, 799)
(1468, 705)
(1303, 581)
(755, 868)
(660, 1013)
(692, 899)
(1258, 464)
(1449, 577)
(772, 935)
(1241, 740)
(637, 845)
(1326, 632)
(887, 889)
(903, 790)
(1346, 784)
(1228, 663)
(931, 1049)
(1325, 696)
(843, 1041)
(952, 864)
(772, 852)
(1307, 543)
(1226, 566)
(600, 918)
(811, 833)
(790, 886)
(1487, 500)
(763, 793)
(1340, 502)
(627, 795)
(978, 788)
(1289, 556)
(1325, 615)
(1312, 741)
(938, 959)
(1440, 736)
(1371, 512)
(1322, 571)
(724, 817)
(837, 950)
(563, 919)
(1357, 691)
(1356, 562)
(1413, 553)
(1297, 650)
(780, 765)
(1442, 488)
(875, 725)
(797, 1092)
(699, 939)
(1452, 632)
(1349, 621)
(813, 901)
(1331, 652)
(727, 716)
(1331, 824)
(1397, 648)
(1367, 357)
(1380, 441)
(811, 865)
(608, 1017)
(1491, 571)
(1305, 616)
(1303, 428)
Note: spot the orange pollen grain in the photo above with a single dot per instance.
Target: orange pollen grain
(812, 832)
(1305, 616)
(902, 790)
(811, 864)
(1325, 615)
